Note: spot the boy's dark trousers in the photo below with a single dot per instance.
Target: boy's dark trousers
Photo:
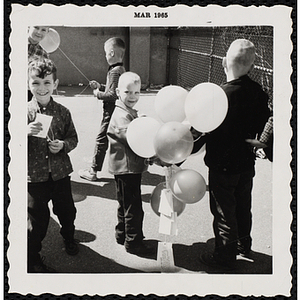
(39, 194)
(230, 204)
(101, 139)
(130, 210)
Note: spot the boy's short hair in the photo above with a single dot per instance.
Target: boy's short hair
(241, 52)
(117, 44)
(42, 67)
(129, 77)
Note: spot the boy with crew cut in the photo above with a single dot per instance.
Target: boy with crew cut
(114, 51)
(49, 165)
(127, 168)
(231, 159)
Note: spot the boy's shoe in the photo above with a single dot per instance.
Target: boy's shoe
(40, 267)
(209, 260)
(246, 255)
(71, 247)
(140, 249)
(88, 174)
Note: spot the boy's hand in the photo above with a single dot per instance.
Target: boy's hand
(155, 160)
(34, 128)
(94, 84)
(256, 143)
(55, 146)
(95, 92)
(260, 153)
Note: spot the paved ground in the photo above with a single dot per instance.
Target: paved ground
(96, 209)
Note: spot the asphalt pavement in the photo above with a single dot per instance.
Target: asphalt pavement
(97, 208)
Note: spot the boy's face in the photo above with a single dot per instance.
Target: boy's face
(129, 93)
(37, 33)
(42, 88)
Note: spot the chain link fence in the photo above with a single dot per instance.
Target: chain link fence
(195, 54)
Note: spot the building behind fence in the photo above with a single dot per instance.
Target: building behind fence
(184, 56)
(195, 54)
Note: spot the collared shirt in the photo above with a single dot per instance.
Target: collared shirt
(40, 160)
(112, 79)
(36, 50)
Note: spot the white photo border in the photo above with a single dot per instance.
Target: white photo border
(278, 283)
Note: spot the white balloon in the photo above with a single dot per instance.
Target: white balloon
(51, 41)
(169, 103)
(206, 106)
(140, 136)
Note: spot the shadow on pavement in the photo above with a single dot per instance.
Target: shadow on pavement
(152, 179)
(86, 261)
(187, 257)
(81, 190)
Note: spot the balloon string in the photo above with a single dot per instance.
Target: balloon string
(168, 174)
(73, 64)
(70, 60)
(84, 89)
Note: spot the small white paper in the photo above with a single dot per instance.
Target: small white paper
(166, 203)
(165, 224)
(46, 122)
(168, 225)
(165, 257)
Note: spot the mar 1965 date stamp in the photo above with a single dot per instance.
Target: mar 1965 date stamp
(141, 15)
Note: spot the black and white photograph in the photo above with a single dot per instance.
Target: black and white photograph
(150, 150)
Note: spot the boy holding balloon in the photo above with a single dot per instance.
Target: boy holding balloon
(114, 50)
(35, 35)
(49, 164)
(127, 168)
(231, 159)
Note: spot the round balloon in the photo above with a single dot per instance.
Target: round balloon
(206, 106)
(188, 186)
(169, 103)
(173, 142)
(178, 206)
(140, 136)
(51, 41)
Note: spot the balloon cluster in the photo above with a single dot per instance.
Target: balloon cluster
(204, 107)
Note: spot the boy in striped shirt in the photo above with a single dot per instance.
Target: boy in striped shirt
(114, 51)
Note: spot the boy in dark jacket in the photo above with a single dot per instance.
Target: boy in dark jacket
(230, 158)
